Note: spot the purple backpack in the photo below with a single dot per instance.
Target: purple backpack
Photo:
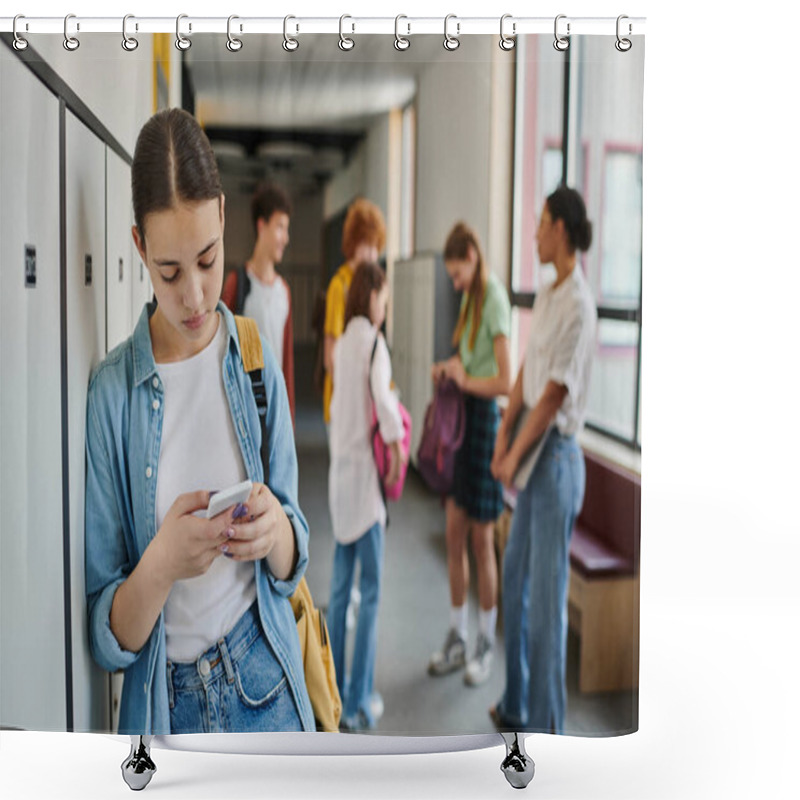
(442, 435)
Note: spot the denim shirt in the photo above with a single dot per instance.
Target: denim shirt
(123, 438)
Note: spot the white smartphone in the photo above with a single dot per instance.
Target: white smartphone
(226, 498)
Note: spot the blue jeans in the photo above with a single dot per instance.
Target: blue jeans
(235, 686)
(535, 584)
(368, 549)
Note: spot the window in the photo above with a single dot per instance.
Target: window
(621, 229)
(597, 149)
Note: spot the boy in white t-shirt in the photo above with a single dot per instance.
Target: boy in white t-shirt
(257, 290)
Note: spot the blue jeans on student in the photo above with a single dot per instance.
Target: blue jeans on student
(235, 686)
(535, 583)
(368, 550)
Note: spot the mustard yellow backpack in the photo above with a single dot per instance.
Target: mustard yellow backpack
(312, 630)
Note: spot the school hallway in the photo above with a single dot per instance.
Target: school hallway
(414, 609)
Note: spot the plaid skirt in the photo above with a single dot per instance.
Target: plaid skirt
(474, 488)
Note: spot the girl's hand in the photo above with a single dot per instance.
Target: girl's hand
(506, 469)
(188, 545)
(258, 526)
(454, 369)
(500, 450)
(395, 463)
(437, 372)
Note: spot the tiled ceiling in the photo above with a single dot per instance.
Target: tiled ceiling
(316, 87)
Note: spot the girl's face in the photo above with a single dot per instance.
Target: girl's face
(547, 237)
(182, 249)
(378, 300)
(365, 252)
(462, 270)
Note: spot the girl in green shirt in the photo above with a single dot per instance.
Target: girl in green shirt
(481, 368)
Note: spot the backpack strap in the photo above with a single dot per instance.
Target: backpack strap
(376, 427)
(242, 287)
(253, 360)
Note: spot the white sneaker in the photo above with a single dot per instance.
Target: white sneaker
(451, 657)
(480, 665)
(376, 706)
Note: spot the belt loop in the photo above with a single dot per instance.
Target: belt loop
(170, 668)
(226, 659)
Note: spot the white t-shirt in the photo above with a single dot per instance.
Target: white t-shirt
(354, 493)
(199, 450)
(268, 305)
(561, 347)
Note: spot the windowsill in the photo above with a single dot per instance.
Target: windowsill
(615, 452)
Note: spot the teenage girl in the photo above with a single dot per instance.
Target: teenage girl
(553, 383)
(481, 368)
(195, 611)
(363, 240)
(356, 504)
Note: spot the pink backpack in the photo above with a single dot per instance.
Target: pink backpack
(381, 450)
(445, 421)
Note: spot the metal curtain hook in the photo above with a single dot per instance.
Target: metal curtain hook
(561, 43)
(19, 43)
(451, 42)
(181, 42)
(345, 43)
(233, 44)
(290, 44)
(507, 42)
(623, 45)
(129, 43)
(70, 42)
(400, 42)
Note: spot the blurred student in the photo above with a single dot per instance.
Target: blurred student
(481, 369)
(257, 290)
(363, 240)
(554, 385)
(195, 611)
(356, 504)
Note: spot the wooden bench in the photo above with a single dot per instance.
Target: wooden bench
(603, 603)
(603, 600)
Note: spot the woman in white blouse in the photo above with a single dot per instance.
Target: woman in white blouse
(354, 493)
(553, 386)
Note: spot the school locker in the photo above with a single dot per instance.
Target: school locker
(33, 690)
(399, 341)
(85, 323)
(119, 277)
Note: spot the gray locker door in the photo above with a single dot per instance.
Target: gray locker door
(142, 288)
(32, 638)
(86, 335)
(119, 278)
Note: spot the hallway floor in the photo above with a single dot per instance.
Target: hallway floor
(414, 610)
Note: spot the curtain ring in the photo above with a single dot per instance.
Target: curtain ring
(561, 43)
(20, 44)
(290, 44)
(181, 42)
(451, 42)
(623, 45)
(345, 42)
(507, 42)
(233, 44)
(129, 43)
(401, 42)
(70, 42)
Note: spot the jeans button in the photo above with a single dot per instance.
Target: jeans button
(205, 667)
